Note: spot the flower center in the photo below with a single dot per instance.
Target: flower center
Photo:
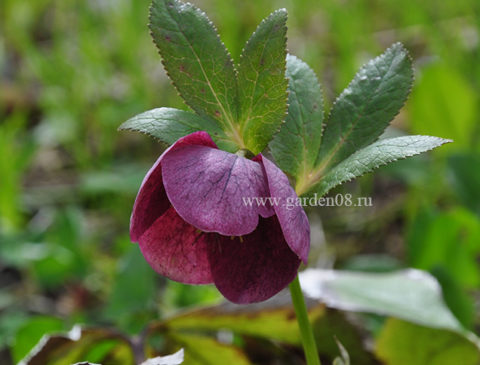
(243, 152)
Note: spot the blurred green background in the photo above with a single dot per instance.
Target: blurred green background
(72, 71)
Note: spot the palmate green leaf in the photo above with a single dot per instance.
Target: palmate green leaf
(295, 147)
(365, 108)
(262, 83)
(373, 156)
(195, 59)
(169, 124)
(402, 343)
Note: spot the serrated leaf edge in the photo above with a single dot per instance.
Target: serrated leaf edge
(218, 136)
(230, 61)
(342, 181)
(321, 164)
(322, 106)
(242, 53)
(132, 129)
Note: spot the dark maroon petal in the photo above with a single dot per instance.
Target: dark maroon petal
(208, 186)
(177, 250)
(292, 217)
(254, 267)
(151, 201)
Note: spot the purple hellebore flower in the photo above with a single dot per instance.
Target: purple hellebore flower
(193, 226)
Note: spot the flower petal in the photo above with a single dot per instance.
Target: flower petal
(151, 201)
(254, 267)
(292, 217)
(177, 250)
(207, 187)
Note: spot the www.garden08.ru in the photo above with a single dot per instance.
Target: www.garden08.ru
(338, 200)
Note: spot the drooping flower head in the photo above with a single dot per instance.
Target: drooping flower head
(194, 224)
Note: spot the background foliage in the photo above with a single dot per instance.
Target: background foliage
(72, 71)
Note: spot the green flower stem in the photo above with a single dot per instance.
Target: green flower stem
(308, 340)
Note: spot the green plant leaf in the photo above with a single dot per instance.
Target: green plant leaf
(266, 320)
(449, 239)
(295, 147)
(366, 107)
(448, 244)
(458, 299)
(262, 83)
(201, 350)
(94, 345)
(264, 325)
(403, 343)
(31, 332)
(412, 295)
(373, 156)
(169, 124)
(195, 59)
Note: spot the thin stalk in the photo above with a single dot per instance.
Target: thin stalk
(308, 340)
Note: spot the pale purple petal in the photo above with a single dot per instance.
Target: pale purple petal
(208, 188)
(254, 267)
(151, 201)
(177, 250)
(292, 217)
